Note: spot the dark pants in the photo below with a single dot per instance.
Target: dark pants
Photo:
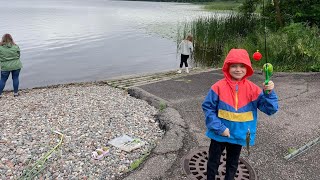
(215, 151)
(15, 79)
(184, 59)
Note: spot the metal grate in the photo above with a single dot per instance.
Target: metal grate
(195, 166)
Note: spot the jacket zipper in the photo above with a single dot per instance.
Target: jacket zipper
(237, 97)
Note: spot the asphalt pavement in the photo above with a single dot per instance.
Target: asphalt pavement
(295, 124)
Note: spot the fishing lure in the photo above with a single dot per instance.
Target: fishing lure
(248, 138)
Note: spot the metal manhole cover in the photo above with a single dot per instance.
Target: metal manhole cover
(194, 165)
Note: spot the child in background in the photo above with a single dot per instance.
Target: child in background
(185, 48)
(230, 110)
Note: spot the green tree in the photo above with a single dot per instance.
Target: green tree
(302, 11)
(248, 7)
(283, 12)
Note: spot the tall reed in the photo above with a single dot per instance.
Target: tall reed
(212, 34)
(292, 48)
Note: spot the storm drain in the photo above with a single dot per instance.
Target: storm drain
(195, 166)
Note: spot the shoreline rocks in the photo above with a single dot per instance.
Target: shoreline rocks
(89, 115)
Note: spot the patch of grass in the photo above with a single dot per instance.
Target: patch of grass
(162, 106)
(135, 164)
(33, 171)
(222, 6)
(127, 84)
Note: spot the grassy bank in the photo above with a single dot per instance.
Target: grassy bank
(219, 5)
(292, 48)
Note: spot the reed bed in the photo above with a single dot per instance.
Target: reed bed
(292, 48)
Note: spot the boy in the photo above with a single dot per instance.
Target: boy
(231, 112)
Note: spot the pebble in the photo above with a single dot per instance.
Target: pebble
(87, 115)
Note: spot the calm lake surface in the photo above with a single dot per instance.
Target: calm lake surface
(64, 41)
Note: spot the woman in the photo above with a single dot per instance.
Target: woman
(9, 63)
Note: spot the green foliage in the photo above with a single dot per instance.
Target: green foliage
(190, 1)
(303, 44)
(248, 7)
(301, 11)
(222, 5)
(212, 34)
(137, 162)
(292, 48)
(162, 106)
(306, 11)
(315, 67)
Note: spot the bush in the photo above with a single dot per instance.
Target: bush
(293, 48)
(211, 34)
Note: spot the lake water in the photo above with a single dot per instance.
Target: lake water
(64, 41)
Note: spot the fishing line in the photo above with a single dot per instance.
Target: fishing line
(265, 31)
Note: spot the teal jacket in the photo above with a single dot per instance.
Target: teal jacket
(10, 57)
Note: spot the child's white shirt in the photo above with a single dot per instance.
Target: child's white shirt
(186, 47)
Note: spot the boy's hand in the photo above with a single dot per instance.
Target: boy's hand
(226, 133)
(269, 86)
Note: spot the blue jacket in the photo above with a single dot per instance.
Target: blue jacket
(233, 104)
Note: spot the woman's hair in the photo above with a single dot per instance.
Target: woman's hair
(189, 37)
(7, 39)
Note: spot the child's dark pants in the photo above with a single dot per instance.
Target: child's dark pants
(184, 59)
(215, 151)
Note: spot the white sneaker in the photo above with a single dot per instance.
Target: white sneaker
(179, 71)
(187, 70)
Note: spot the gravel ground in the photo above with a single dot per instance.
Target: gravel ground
(88, 116)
